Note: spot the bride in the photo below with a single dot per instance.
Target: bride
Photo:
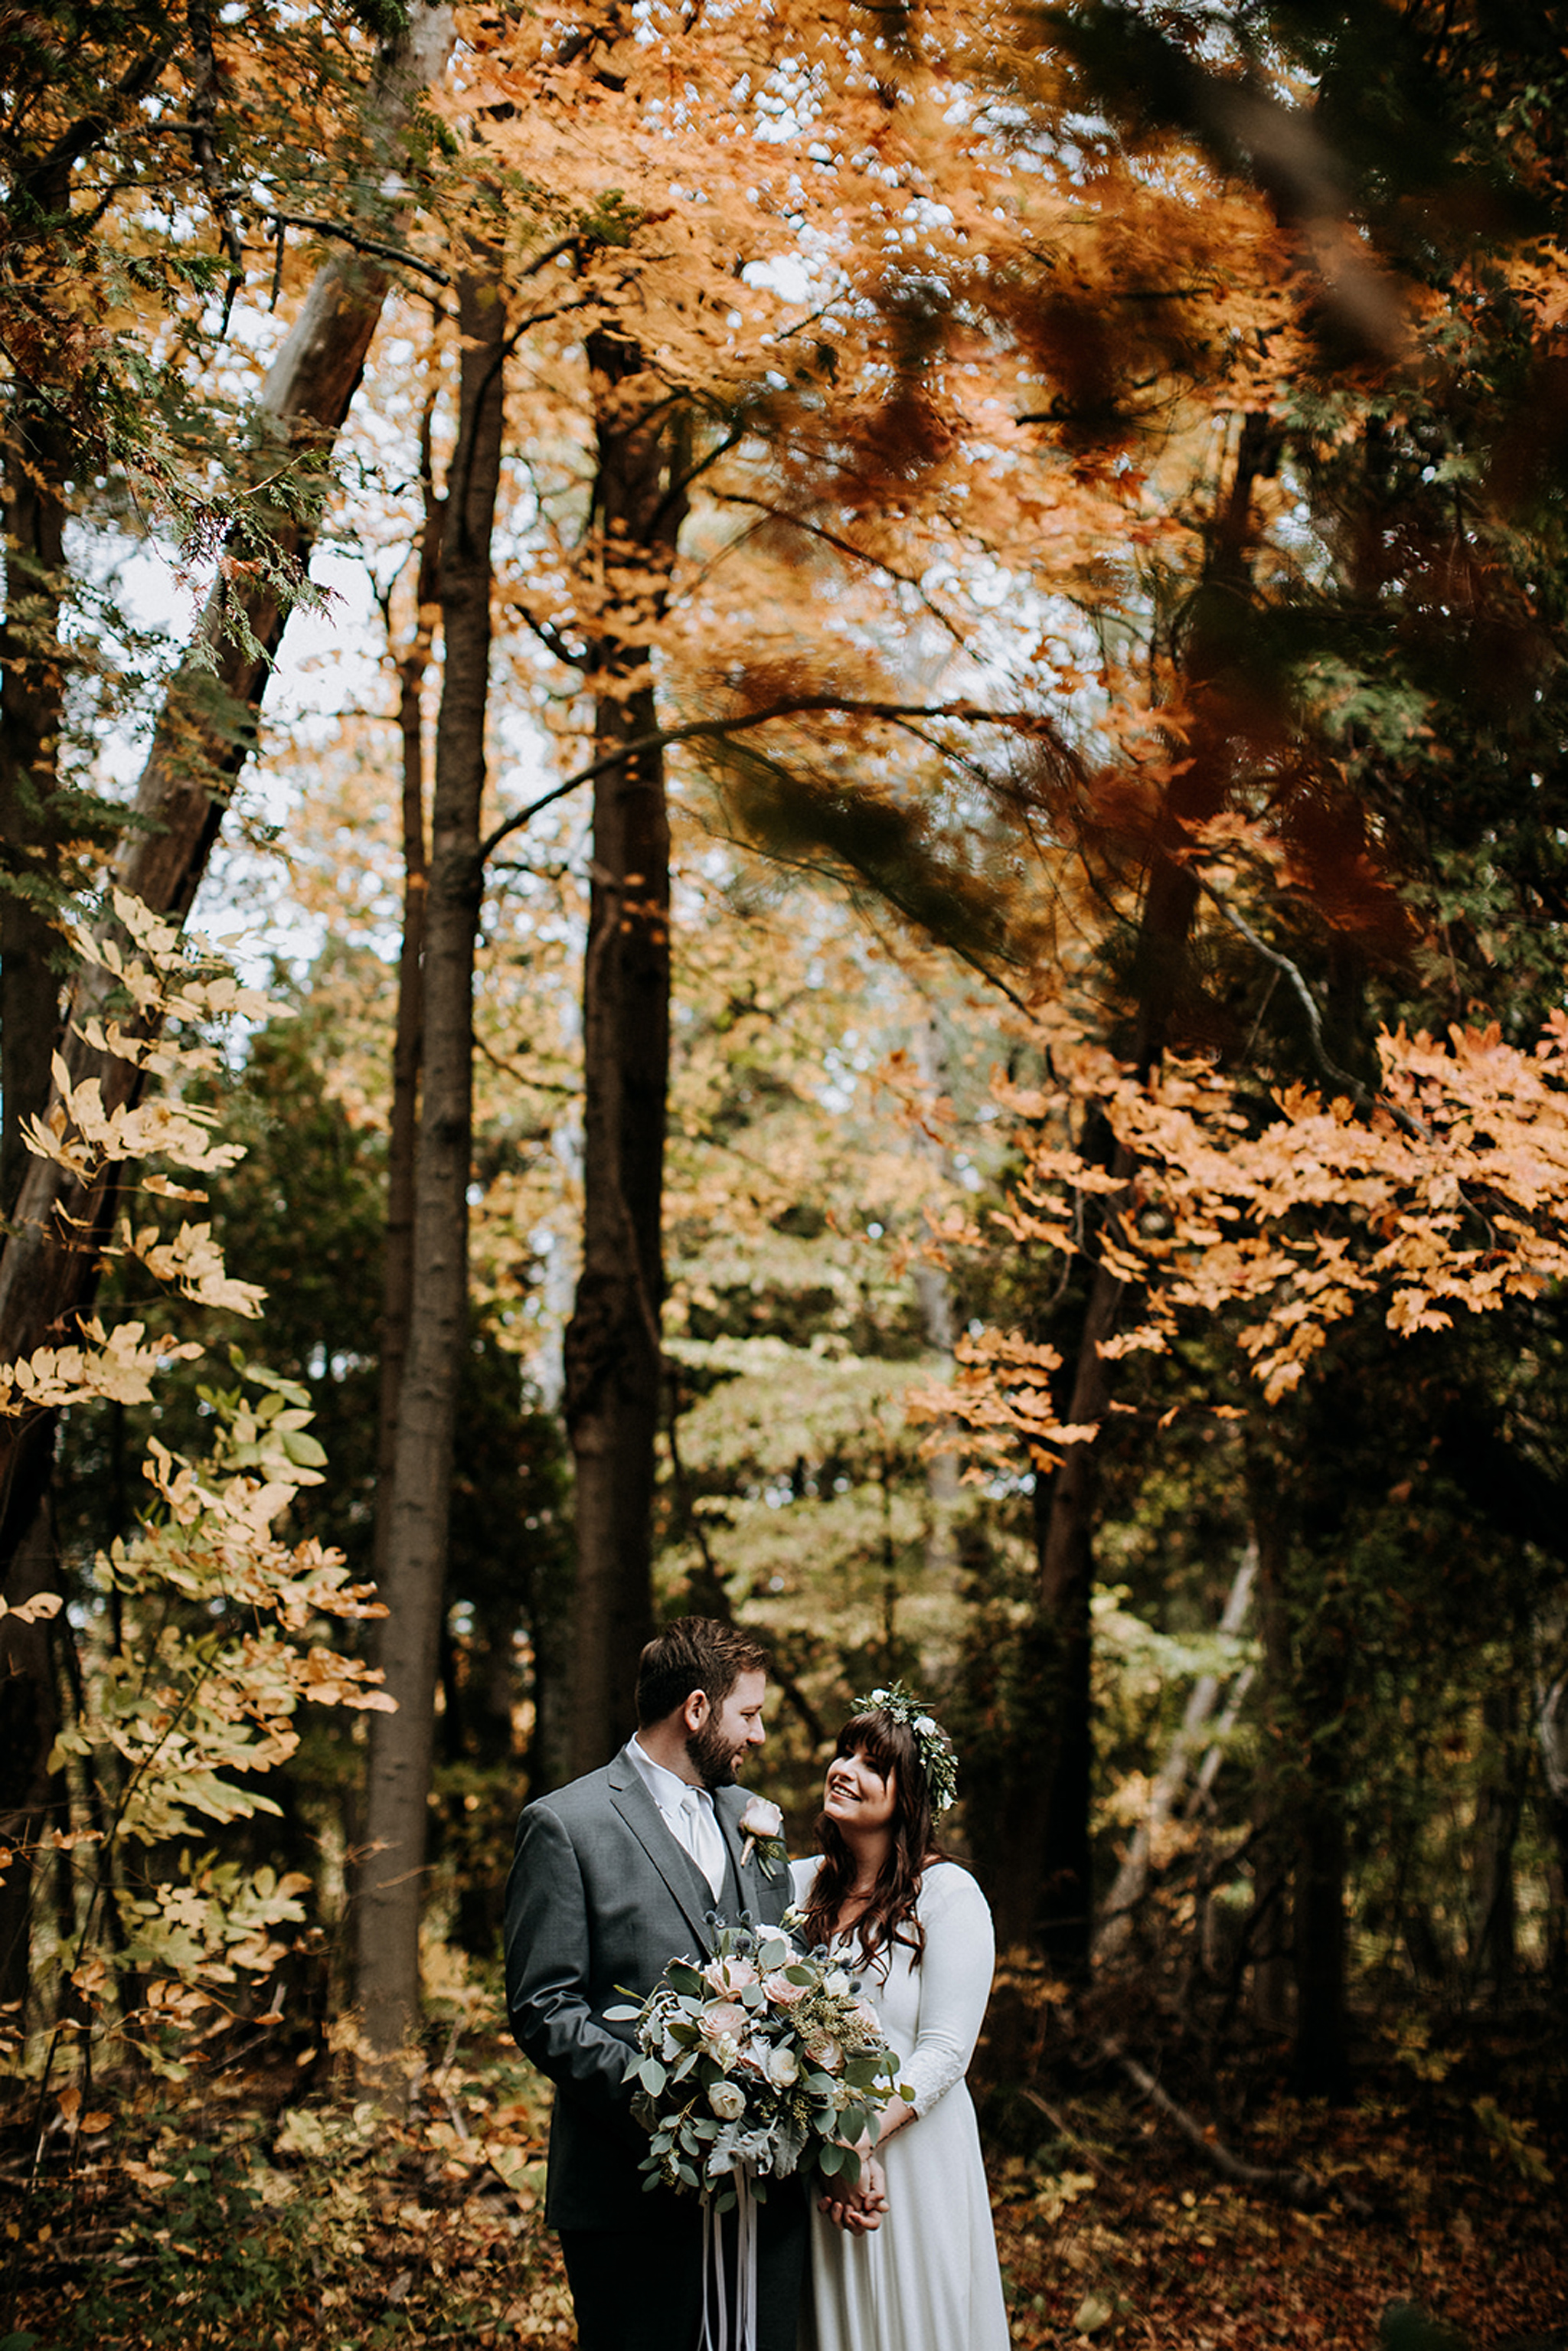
(908, 2260)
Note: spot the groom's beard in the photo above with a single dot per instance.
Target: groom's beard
(712, 1756)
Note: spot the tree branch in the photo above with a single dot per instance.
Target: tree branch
(844, 547)
(377, 247)
(789, 707)
(1301, 2187)
(1362, 1095)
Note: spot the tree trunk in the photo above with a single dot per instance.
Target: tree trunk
(614, 1353)
(1499, 1803)
(49, 1266)
(1319, 2060)
(1269, 1933)
(1116, 1929)
(1065, 1500)
(32, 700)
(29, 1720)
(1064, 1512)
(934, 1289)
(413, 1588)
(397, 1286)
(1552, 1736)
(1552, 1739)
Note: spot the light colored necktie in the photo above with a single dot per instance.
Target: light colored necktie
(704, 1839)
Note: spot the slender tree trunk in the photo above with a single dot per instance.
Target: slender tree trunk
(1308, 1640)
(1320, 2062)
(1552, 1737)
(397, 1289)
(613, 1353)
(49, 1266)
(1550, 1696)
(32, 702)
(1064, 1516)
(1065, 1503)
(1112, 1936)
(413, 1582)
(29, 1720)
(1499, 1803)
(935, 1292)
(1273, 1986)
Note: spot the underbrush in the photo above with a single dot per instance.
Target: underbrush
(247, 2216)
(1180, 2199)
(255, 2213)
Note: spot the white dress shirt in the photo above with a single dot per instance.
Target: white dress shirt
(688, 1812)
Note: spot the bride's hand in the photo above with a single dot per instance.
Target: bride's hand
(859, 2210)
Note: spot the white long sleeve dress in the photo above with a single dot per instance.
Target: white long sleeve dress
(926, 2279)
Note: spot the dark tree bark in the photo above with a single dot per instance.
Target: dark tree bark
(32, 699)
(397, 1295)
(29, 1718)
(1319, 2060)
(613, 1342)
(408, 1648)
(1306, 1617)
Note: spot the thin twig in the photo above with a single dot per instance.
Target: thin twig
(846, 546)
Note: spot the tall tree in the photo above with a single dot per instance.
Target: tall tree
(46, 1265)
(86, 144)
(614, 1362)
(402, 1136)
(413, 1567)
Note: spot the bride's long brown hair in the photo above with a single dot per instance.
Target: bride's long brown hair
(890, 1916)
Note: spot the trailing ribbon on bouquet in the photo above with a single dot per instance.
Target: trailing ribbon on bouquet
(716, 2335)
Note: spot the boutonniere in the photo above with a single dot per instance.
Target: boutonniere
(762, 1826)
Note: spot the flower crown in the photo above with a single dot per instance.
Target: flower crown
(937, 1760)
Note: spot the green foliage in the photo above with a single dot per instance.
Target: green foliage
(220, 2259)
(213, 1641)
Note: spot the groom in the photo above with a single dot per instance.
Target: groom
(613, 1877)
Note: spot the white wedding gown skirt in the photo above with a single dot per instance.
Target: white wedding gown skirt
(926, 2279)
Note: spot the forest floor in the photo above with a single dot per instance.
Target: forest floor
(252, 2208)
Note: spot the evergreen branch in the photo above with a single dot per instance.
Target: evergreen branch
(89, 130)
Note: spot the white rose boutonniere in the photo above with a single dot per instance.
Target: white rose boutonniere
(762, 1826)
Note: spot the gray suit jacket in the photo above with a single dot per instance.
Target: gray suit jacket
(599, 1898)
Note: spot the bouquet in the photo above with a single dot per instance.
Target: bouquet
(754, 2063)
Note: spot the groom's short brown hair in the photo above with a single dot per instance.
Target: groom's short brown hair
(694, 1652)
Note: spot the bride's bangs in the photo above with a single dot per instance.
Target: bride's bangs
(878, 1740)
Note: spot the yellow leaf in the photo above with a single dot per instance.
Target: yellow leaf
(35, 1611)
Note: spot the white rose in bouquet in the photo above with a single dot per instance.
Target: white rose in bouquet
(757, 2060)
(782, 2066)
